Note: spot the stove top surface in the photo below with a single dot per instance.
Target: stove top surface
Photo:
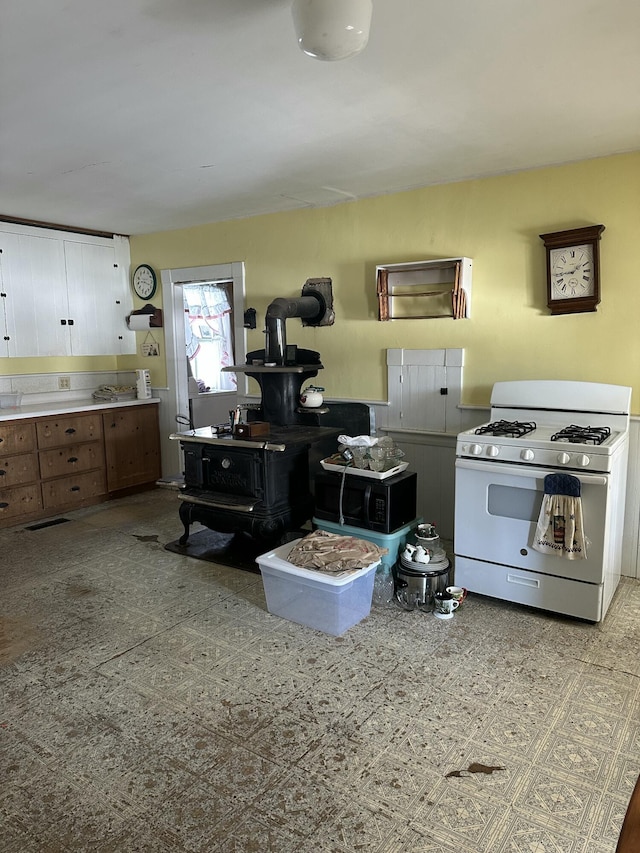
(528, 433)
(279, 437)
(571, 425)
(540, 447)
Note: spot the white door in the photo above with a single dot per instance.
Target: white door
(176, 398)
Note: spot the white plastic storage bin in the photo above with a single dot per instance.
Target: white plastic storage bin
(391, 541)
(321, 601)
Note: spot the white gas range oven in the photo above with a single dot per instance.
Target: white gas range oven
(538, 428)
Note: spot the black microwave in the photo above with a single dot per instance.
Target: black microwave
(358, 501)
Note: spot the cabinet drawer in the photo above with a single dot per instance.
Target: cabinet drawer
(67, 460)
(18, 470)
(73, 490)
(57, 432)
(17, 437)
(23, 500)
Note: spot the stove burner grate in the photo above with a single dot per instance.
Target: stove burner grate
(513, 429)
(582, 435)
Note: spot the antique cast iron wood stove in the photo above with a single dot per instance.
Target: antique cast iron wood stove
(262, 485)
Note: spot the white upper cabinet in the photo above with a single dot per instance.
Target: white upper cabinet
(33, 279)
(65, 294)
(99, 297)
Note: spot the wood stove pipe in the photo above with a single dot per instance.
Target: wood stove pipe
(311, 308)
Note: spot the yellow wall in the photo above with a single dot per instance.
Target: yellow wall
(495, 221)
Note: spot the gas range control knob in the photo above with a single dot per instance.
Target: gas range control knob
(527, 455)
(583, 460)
(564, 458)
(475, 449)
(492, 450)
(226, 462)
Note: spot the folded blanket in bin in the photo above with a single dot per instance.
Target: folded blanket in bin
(333, 553)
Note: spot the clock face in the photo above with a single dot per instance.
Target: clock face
(572, 272)
(144, 282)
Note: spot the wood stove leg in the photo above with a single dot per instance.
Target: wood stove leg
(185, 518)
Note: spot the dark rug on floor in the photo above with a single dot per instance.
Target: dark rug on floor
(237, 550)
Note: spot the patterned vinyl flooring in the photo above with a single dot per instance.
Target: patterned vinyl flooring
(149, 702)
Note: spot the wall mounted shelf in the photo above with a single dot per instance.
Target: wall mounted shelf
(424, 290)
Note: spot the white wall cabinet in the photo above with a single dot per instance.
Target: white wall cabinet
(33, 284)
(425, 388)
(64, 294)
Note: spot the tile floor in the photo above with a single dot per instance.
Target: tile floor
(149, 702)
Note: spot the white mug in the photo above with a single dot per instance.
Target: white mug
(446, 605)
(420, 555)
(458, 593)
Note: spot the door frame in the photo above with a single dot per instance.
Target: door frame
(176, 397)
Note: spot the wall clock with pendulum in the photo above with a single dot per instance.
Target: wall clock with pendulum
(573, 269)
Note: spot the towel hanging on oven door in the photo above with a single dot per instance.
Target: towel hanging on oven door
(560, 529)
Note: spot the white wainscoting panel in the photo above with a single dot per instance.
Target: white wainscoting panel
(631, 538)
(432, 457)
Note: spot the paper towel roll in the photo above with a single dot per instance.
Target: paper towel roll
(139, 322)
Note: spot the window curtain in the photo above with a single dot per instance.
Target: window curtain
(209, 334)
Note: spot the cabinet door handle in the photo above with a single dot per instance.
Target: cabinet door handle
(4, 505)
(70, 431)
(72, 459)
(2, 473)
(74, 489)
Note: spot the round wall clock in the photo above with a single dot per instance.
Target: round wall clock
(144, 281)
(573, 269)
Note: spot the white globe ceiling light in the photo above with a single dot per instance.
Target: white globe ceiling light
(332, 29)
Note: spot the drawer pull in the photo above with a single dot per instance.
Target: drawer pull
(74, 489)
(70, 431)
(523, 581)
(2, 472)
(3, 505)
(72, 459)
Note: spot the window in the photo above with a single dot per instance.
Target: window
(209, 334)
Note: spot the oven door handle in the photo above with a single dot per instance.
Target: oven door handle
(515, 469)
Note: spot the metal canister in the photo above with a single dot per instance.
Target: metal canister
(415, 587)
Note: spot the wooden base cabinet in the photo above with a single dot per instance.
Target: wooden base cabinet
(55, 464)
(19, 474)
(132, 446)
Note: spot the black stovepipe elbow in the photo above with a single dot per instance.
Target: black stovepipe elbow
(308, 307)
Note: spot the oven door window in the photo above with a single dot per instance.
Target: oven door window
(509, 502)
(496, 511)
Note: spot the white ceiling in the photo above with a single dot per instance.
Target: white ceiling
(137, 116)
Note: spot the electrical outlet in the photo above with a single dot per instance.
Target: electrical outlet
(64, 383)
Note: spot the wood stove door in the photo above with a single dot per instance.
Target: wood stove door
(276, 478)
(233, 470)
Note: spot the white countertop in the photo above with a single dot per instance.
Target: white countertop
(46, 410)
